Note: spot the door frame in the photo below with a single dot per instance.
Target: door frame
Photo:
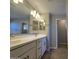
(57, 32)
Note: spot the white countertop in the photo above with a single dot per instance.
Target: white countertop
(24, 39)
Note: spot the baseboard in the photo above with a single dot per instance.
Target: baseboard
(48, 50)
(53, 47)
(63, 43)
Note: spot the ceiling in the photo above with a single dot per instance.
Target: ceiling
(56, 7)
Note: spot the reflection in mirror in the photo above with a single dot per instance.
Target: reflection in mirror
(24, 28)
(40, 25)
(19, 17)
(35, 25)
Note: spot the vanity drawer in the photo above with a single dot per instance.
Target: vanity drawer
(19, 51)
(29, 55)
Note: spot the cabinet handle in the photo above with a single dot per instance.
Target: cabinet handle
(27, 57)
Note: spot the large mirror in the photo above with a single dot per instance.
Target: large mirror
(21, 20)
(19, 17)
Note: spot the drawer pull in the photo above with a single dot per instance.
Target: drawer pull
(27, 57)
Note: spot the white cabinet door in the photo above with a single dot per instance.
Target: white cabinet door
(24, 56)
(31, 54)
(41, 47)
(27, 51)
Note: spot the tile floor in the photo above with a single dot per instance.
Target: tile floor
(60, 53)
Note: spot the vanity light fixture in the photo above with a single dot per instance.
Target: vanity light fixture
(33, 13)
(16, 1)
(44, 23)
(21, 1)
(42, 20)
(36, 15)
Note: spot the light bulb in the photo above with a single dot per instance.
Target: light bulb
(44, 23)
(15, 1)
(37, 16)
(21, 1)
(34, 13)
(31, 12)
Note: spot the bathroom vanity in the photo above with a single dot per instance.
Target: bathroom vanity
(28, 46)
